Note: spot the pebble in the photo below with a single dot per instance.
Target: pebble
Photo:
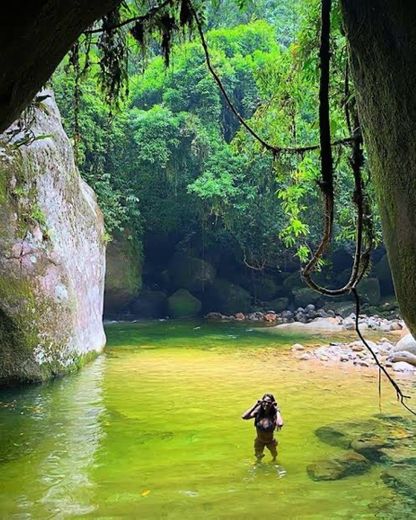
(298, 346)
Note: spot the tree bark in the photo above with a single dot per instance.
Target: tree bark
(34, 37)
(382, 41)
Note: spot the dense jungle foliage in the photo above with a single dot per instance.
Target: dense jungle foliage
(172, 165)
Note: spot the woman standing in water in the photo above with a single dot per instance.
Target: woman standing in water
(267, 418)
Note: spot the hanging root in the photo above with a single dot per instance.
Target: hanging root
(364, 230)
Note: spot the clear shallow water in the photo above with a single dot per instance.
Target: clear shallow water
(152, 430)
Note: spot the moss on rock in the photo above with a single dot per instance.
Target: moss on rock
(228, 298)
(51, 258)
(123, 278)
(190, 273)
(182, 304)
(369, 290)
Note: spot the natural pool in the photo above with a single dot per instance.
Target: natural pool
(152, 430)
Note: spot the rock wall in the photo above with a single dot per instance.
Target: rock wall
(52, 254)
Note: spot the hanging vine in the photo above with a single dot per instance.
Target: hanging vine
(169, 17)
(364, 229)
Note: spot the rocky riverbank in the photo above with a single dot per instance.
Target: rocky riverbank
(400, 356)
(318, 318)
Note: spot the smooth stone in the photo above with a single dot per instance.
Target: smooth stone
(298, 346)
(407, 343)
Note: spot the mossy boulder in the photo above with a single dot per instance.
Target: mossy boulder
(304, 296)
(51, 256)
(383, 274)
(369, 290)
(123, 277)
(278, 304)
(227, 298)
(149, 304)
(346, 465)
(190, 273)
(344, 309)
(292, 281)
(265, 288)
(182, 304)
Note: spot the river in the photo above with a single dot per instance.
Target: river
(152, 429)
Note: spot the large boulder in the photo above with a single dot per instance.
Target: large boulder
(123, 277)
(341, 308)
(406, 344)
(51, 254)
(149, 304)
(292, 281)
(305, 296)
(383, 274)
(190, 273)
(369, 290)
(182, 304)
(278, 304)
(263, 287)
(227, 298)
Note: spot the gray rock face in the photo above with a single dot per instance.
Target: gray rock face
(51, 255)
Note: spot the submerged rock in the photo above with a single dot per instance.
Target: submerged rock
(402, 478)
(399, 454)
(346, 465)
(375, 432)
(51, 255)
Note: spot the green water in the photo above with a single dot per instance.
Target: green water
(152, 430)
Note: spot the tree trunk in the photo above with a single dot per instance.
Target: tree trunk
(34, 37)
(382, 40)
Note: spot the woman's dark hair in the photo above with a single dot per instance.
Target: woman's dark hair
(269, 396)
(272, 411)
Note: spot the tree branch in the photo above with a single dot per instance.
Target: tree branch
(143, 18)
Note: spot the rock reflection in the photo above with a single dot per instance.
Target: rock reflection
(58, 431)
